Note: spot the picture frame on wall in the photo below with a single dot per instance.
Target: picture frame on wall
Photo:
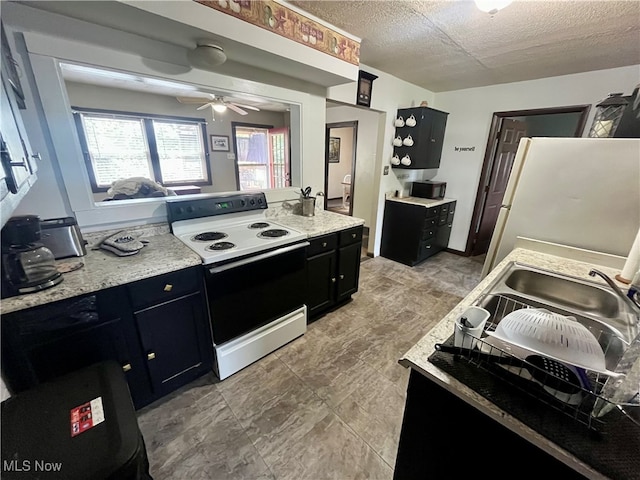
(220, 143)
(334, 149)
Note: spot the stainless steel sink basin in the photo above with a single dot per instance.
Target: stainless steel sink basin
(596, 306)
(564, 292)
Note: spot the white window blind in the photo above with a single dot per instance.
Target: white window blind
(180, 152)
(117, 148)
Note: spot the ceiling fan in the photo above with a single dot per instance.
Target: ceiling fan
(218, 104)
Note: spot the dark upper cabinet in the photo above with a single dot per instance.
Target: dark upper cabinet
(427, 136)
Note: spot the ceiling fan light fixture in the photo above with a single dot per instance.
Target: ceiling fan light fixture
(492, 6)
(220, 107)
(207, 55)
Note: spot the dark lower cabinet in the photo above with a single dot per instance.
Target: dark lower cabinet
(444, 437)
(412, 233)
(333, 269)
(157, 329)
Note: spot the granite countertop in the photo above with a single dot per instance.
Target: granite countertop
(163, 254)
(322, 223)
(423, 202)
(418, 356)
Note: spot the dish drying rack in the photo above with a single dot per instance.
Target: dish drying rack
(581, 401)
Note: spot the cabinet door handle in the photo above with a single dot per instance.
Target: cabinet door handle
(126, 368)
(333, 279)
(341, 276)
(324, 244)
(168, 287)
(151, 356)
(433, 140)
(428, 246)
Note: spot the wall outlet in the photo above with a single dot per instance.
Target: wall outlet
(231, 156)
(386, 170)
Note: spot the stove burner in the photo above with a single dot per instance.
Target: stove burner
(209, 236)
(221, 246)
(259, 225)
(273, 233)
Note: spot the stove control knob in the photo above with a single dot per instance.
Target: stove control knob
(190, 209)
(242, 203)
(259, 201)
(252, 201)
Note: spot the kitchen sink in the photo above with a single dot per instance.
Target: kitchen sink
(595, 306)
(564, 292)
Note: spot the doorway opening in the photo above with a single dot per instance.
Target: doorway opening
(507, 128)
(340, 166)
(262, 156)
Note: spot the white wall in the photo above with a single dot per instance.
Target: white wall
(471, 111)
(388, 95)
(223, 170)
(337, 171)
(47, 38)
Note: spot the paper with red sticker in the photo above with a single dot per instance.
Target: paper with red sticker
(86, 416)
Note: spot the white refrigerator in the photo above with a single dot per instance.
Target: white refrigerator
(581, 192)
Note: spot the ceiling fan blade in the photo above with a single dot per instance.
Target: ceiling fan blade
(193, 100)
(248, 107)
(235, 108)
(202, 107)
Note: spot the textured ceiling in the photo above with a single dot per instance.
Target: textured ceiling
(450, 45)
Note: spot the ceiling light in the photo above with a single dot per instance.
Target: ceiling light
(492, 6)
(207, 55)
(220, 108)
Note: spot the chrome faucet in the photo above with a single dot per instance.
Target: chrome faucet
(635, 306)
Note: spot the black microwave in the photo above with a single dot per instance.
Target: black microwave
(428, 189)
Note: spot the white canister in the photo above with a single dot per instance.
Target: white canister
(469, 326)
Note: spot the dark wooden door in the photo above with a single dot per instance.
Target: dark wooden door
(510, 134)
(348, 270)
(321, 274)
(175, 341)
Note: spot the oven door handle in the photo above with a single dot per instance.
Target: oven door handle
(256, 258)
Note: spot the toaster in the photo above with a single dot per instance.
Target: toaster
(62, 236)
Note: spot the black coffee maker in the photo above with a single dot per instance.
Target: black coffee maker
(27, 265)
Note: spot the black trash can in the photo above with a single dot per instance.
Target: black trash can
(79, 426)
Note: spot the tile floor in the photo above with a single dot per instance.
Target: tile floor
(328, 405)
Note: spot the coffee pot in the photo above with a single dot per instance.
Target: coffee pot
(27, 265)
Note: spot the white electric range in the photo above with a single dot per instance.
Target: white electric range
(254, 271)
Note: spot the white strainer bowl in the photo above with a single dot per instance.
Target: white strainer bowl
(555, 336)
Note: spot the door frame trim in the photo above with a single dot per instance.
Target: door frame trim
(234, 125)
(353, 124)
(492, 143)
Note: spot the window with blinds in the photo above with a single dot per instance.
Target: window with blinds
(170, 151)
